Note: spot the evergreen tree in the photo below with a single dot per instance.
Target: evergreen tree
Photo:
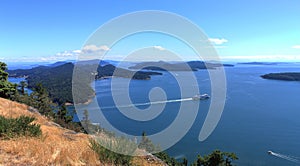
(86, 121)
(184, 162)
(146, 144)
(23, 85)
(7, 89)
(41, 100)
(62, 114)
(216, 158)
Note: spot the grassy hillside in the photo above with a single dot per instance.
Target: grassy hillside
(56, 145)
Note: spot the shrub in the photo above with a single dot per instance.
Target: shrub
(17, 127)
(170, 160)
(217, 158)
(121, 145)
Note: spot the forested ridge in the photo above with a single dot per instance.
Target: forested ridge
(58, 79)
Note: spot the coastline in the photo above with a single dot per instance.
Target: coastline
(87, 102)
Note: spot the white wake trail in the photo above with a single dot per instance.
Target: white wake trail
(149, 103)
(286, 157)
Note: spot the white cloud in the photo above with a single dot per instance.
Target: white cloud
(296, 46)
(218, 41)
(77, 51)
(72, 53)
(279, 58)
(85, 53)
(159, 48)
(93, 48)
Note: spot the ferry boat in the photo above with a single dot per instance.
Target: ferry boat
(201, 97)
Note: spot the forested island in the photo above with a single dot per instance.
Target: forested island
(57, 79)
(179, 66)
(258, 63)
(288, 76)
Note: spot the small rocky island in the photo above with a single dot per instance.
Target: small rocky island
(288, 76)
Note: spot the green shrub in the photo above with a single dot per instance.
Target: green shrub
(216, 158)
(17, 127)
(121, 145)
(170, 160)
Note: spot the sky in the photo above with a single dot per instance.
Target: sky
(248, 30)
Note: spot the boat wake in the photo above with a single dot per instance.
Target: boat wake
(181, 156)
(150, 103)
(286, 157)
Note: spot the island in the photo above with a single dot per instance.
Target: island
(258, 63)
(177, 66)
(288, 76)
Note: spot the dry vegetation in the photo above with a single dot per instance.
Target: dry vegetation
(56, 146)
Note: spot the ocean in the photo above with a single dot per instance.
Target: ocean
(259, 116)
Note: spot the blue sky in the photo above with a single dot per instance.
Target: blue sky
(241, 30)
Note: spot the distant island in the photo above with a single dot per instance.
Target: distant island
(289, 76)
(108, 70)
(258, 63)
(57, 79)
(181, 66)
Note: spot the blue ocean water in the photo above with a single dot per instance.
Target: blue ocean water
(17, 81)
(259, 115)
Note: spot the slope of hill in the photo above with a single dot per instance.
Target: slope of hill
(56, 146)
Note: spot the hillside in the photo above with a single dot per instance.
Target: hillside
(57, 145)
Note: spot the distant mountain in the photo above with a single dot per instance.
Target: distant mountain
(188, 66)
(24, 65)
(58, 79)
(58, 63)
(258, 63)
(97, 61)
(290, 76)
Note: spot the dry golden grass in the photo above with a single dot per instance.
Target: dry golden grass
(56, 146)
